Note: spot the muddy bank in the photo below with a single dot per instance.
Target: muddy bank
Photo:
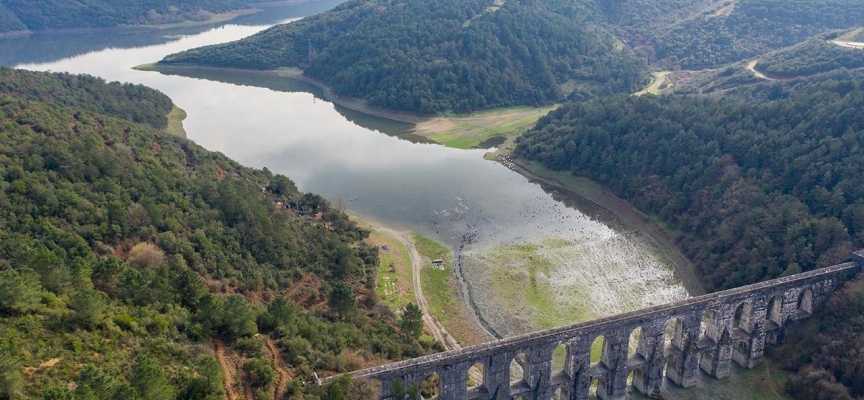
(586, 194)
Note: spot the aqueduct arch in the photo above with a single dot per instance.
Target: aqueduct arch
(708, 332)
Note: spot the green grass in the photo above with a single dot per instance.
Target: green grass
(147, 67)
(647, 224)
(523, 270)
(213, 20)
(394, 273)
(443, 294)
(175, 122)
(465, 132)
(759, 383)
(658, 84)
(437, 285)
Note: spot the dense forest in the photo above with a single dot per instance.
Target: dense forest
(826, 355)
(127, 253)
(813, 56)
(83, 92)
(754, 191)
(40, 15)
(737, 82)
(753, 27)
(441, 56)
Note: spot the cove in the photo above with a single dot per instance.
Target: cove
(527, 259)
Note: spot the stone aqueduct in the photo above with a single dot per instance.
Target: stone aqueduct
(674, 341)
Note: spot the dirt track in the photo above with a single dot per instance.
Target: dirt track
(438, 331)
(284, 376)
(227, 370)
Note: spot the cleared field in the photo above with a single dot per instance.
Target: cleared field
(659, 83)
(470, 131)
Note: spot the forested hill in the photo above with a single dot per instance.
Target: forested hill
(439, 56)
(711, 33)
(135, 103)
(40, 15)
(754, 191)
(814, 56)
(126, 253)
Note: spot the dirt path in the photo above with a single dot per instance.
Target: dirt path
(751, 66)
(658, 79)
(227, 370)
(851, 45)
(438, 331)
(277, 361)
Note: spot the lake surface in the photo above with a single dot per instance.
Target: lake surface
(479, 208)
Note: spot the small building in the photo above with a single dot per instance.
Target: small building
(385, 247)
(438, 262)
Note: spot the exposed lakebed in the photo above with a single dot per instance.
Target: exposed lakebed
(530, 260)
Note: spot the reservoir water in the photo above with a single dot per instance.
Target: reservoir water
(513, 236)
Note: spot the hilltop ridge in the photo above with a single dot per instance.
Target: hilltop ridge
(443, 56)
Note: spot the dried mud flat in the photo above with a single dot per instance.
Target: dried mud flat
(555, 281)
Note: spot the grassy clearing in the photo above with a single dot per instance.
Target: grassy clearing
(215, 19)
(658, 84)
(394, 272)
(443, 294)
(175, 122)
(469, 131)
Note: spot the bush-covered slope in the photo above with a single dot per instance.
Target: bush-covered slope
(827, 352)
(40, 15)
(754, 191)
(752, 27)
(813, 56)
(124, 251)
(449, 55)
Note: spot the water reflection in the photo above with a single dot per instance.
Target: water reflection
(478, 208)
(282, 84)
(49, 47)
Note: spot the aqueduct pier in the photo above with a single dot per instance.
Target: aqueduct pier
(674, 341)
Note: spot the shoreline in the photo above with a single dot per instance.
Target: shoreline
(215, 19)
(296, 74)
(351, 103)
(595, 193)
(435, 326)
